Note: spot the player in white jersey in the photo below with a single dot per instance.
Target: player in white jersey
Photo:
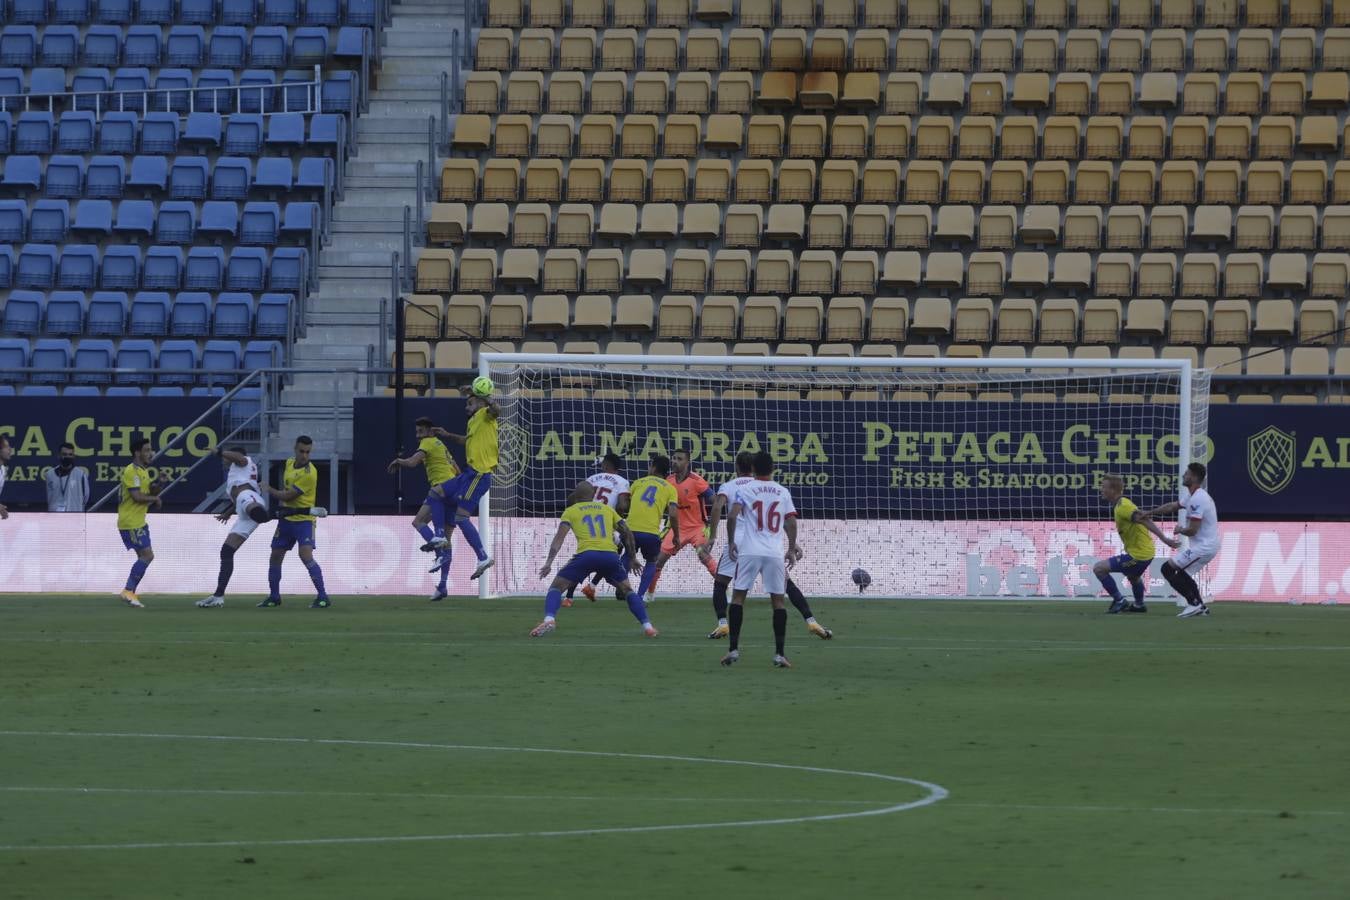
(745, 464)
(610, 488)
(247, 503)
(761, 513)
(1201, 526)
(6, 451)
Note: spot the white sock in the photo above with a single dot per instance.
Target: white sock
(549, 619)
(811, 620)
(722, 621)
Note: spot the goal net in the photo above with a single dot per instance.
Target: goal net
(939, 477)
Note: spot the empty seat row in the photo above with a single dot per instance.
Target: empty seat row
(179, 178)
(138, 361)
(179, 222)
(148, 313)
(125, 133)
(184, 45)
(80, 267)
(204, 12)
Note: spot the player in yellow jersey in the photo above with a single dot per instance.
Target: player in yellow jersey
(299, 488)
(595, 525)
(1134, 528)
(441, 473)
(480, 456)
(653, 498)
(136, 494)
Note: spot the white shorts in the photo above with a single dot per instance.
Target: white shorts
(724, 565)
(1191, 561)
(771, 569)
(243, 525)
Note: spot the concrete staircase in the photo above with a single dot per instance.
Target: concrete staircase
(343, 318)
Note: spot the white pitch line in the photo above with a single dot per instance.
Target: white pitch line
(935, 793)
(1155, 809)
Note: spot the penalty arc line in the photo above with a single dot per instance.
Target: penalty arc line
(935, 793)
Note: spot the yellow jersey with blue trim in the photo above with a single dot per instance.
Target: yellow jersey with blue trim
(649, 501)
(1133, 534)
(130, 512)
(480, 443)
(439, 463)
(594, 525)
(305, 479)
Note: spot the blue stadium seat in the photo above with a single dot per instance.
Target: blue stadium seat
(65, 177)
(262, 355)
(363, 12)
(65, 313)
(221, 357)
(289, 270)
(47, 80)
(315, 172)
(260, 224)
(93, 219)
(148, 173)
(231, 178)
(329, 131)
(155, 12)
(34, 132)
(49, 221)
(32, 12)
(269, 47)
(229, 44)
(273, 174)
(51, 353)
(135, 360)
(79, 267)
(186, 46)
(177, 355)
(173, 91)
(18, 46)
(220, 219)
(162, 391)
(213, 94)
(309, 47)
(274, 316)
(281, 12)
(23, 312)
(36, 268)
(187, 178)
(176, 222)
(246, 270)
(205, 269)
(149, 313)
(286, 130)
(206, 392)
(202, 131)
(7, 265)
(261, 96)
(108, 312)
(243, 408)
(113, 12)
(142, 47)
(238, 12)
(103, 46)
(80, 390)
(38, 390)
(121, 269)
(352, 43)
(243, 136)
(60, 45)
(234, 316)
(13, 356)
(13, 221)
(117, 133)
(6, 130)
(106, 177)
(122, 390)
(163, 269)
(22, 173)
(323, 12)
(135, 219)
(200, 12)
(297, 90)
(75, 132)
(191, 313)
(159, 133)
(302, 218)
(11, 89)
(130, 86)
(73, 12)
(90, 87)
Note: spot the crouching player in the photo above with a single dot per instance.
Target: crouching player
(594, 524)
(1134, 526)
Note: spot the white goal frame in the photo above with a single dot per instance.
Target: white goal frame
(1183, 367)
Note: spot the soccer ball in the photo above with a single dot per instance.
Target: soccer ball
(861, 579)
(483, 386)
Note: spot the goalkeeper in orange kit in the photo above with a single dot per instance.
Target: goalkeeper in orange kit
(693, 496)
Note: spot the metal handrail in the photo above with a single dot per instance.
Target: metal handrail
(100, 102)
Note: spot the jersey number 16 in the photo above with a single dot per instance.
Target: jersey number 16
(769, 520)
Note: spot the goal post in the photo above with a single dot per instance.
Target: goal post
(940, 476)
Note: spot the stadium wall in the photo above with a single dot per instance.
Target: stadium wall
(377, 555)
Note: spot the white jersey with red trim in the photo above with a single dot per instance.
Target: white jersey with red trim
(764, 506)
(242, 476)
(609, 488)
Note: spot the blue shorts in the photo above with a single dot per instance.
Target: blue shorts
(135, 538)
(468, 488)
(649, 545)
(1128, 566)
(291, 533)
(604, 563)
(446, 495)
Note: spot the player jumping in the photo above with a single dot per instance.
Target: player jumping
(246, 499)
(136, 495)
(745, 463)
(1133, 525)
(595, 525)
(611, 488)
(300, 487)
(480, 453)
(761, 512)
(653, 498)
(441, 474)
(694, 496)
(1202, 527)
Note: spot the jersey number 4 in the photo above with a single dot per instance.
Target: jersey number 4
(596, 524)
(770, 519)
(649, 496)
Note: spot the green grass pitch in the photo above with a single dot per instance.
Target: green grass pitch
(391, 748)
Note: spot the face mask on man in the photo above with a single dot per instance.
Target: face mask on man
(65, 463)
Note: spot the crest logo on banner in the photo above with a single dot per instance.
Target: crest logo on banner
(1270, 459)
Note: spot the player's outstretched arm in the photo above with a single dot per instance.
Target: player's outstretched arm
(1142, 518)
(410, 462)
(629, 545)
(1166, 509)
(714, 519)
(731, 531)
(794, 551)
(449, 436)
(283, 494)
(673, 517)
(554, 548)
